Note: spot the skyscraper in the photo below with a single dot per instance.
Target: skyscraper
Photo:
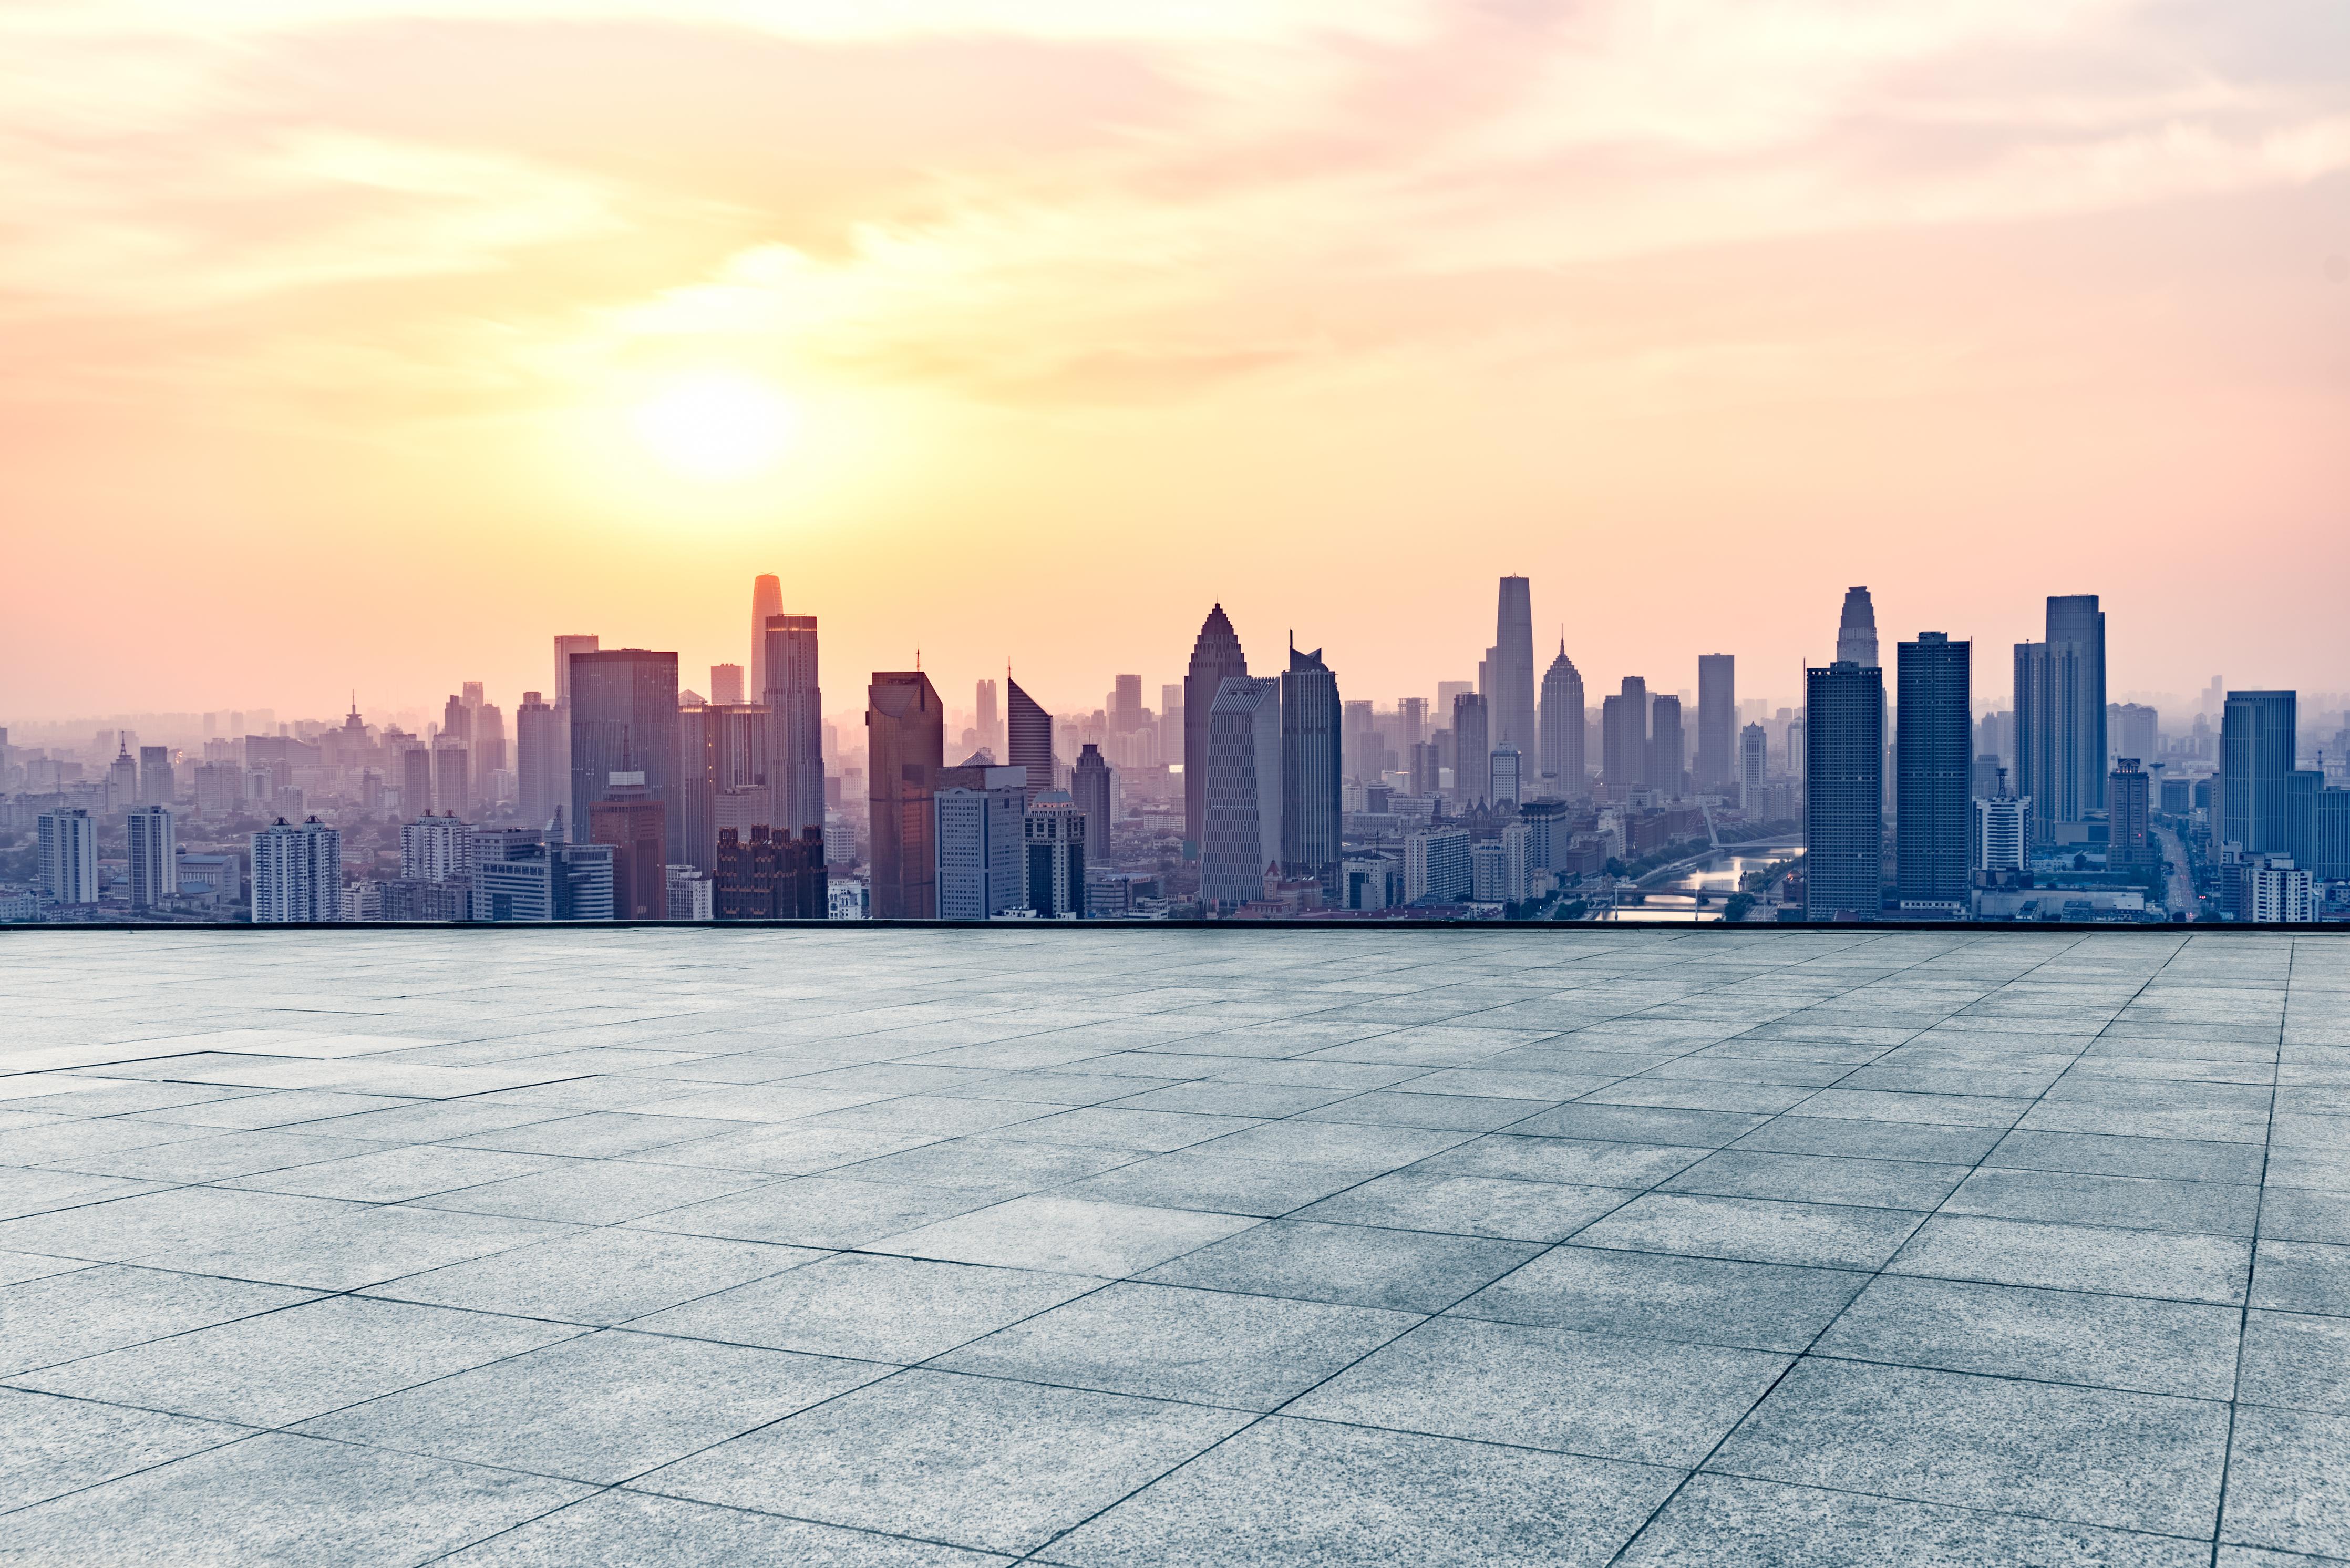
(1473, 759)
(564, 646)
(766, 600)
(154, 863)
(1029, 736)
(452, 789)
(1717, 722)
(1126, 705)
(624, 719)
(2129, 816)
(1667, 746)
(1215, 655)
(905, 742)
(1089, 787)
(1933, 740)
(489, 747)
(1843, 810)
(297, 873)
(635, 825)
(2074, 619)
(990, 724)
(1563, 724)
(1514, 667)
(1754, 766)
(2060, 716)
(156, 784)
(726, 777)
(68, 844)
(794, 700)
(1502, 767)
(726, 684)
(538, 783)
(1312, 788)
(980, 842)
(1241, 775)
(2257, 740)
(1055, 833)
(1857, 632)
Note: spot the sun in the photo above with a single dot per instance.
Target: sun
(716, 428)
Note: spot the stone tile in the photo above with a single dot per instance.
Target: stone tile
(599, 1277)
(2078, 1257)
(1604, 1396)
(2062, 1337)
(1417, 1199)
(2214, 1208)
(625, 1527)
(359, 1247)
(1815, 1179)
(24, 1192)
(974, 1461)
(1413, 1106)
(818, 1211)
(596, 1135)
(122, 1229)
(2289, 1481)
(1574, 1162)
(50, 1446)
(1068, 1235)
(599, 1408)
(1357, 1265)
(2303, 1276)
(1854, 1137)
(1366, 1150)
(1756, 1230)
(284, 1499)
(1641, 1124)
(2173, 1159)
(1206, 1177)
(900, 1310)
(63, 1316)
(305, 1361)
(1302, 1491)
(1708, 1301)
(1112, 1126)
(1207, 1347)
(393, 1175)
(598, 1192)
(2092, 1456)
(2296, 1360)
(1722, 1522)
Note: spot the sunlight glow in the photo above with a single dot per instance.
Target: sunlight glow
(717, 428)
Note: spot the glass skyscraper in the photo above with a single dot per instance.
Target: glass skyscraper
(1844, 799)
(1933, 784)
(2256, 756)
(624, 719)
(1312, 803)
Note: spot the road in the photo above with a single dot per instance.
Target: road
(2182, 887)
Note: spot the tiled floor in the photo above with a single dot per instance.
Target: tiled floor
(1098, 1248)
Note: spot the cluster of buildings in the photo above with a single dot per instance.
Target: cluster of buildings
(616, 792)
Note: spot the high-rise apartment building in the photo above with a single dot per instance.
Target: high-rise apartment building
(794, 700)
(905, 742)
(1312, 799)
(1216, 657)
(766, 602)
(2129, 816)
(452, 789)
(1563, 723)
(726, 685)
(1667, 746)
(980, 838)
(1437, 865)
(534, 880)
(1753, 765)
(1933, 817)
(1241, 824)
(1717, 722)
(1624, 736)
(624, 719)
(1844, 801)
(156, 784)
(297, 873)
(1512, 711)
(538, 748)
(489, 747)
(1857, 631)
(1504, 767)
(2257, 742)
(1089, 787)
(2002, 836)
(1472, 760)
(1056, 843)
(155, 857)
(435, 849)
(635, 826)
(68, 847)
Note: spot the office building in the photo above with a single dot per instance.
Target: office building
(1717, 723)
(1624, 736)
(297, 873)
(538, 782)
(156, 784)
(980, 830)
(726, 768)
(2277, 892)
(1425, 769)
(794, 697)
(690, 892)
(1753, 765)
(1028, 736)
(1502, 773)
(1668, 747)
(1844, 801)
(2257, 743)
(624, 719)
(905, 741)
(726, 685)
(1242, 754)
(635, 826)
(2134, 730)
(1512, 706)
(766, 602)
(565, 648)
(764, 875)
(415, 779)
(2330, 858)
(1090, 786)
(122, 779)
(1933, 817)
(990, 722)
(489, 747)
(1472, 760)
(2003, 836)
(535, 881)
(155, 857)
(1312, 803)
(2129, 817)
(1857, 631)
(1056, 841)
(68, 847)
(2060, 716)
(1126, 711)
(1562, 724)
(1548, 828)
(1216, 657)
(1437, 867)
(452, 777)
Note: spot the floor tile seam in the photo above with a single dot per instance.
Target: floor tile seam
(244, 1435)
(605, 1489)
(2035, 1380)
(1974, 1509)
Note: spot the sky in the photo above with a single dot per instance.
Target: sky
(366, 344)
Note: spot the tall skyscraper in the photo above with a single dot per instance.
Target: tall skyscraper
(905, 744)
(2074, 619)
(452, 788)
(624, 719)
(2060, 715)
(1241, 775)
(635, 825)
(538, 783)
(2002, 836)
(457, 721)
(1029, 736)
(1754, 766)
(155, 857)
(1473, 759)
(1563, 724)
(726, 768)
(795, 700)
(2257, 740)
(766, 600)
(981, 838)
(1857, 632)
(1514, 667)
(1312, 784)
(564, 646)
(435, 848)
(1933, 742)
(1504, 767)
(1055, 835)
(2129, 816)
(122, 777)
(1089, 787)
(156, 784)
(1216, 656)
(726, 684)
(1126, 705)
(1844, 809)
(297, 873)
(1667, 746)
(1717, 722)
(415, 779)
(990, 723)
(489, 746)
(1623, 735)
(68, 844)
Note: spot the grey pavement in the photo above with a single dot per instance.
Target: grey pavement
(1123, 1247)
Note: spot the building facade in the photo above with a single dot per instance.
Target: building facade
(624, 719)
(1055, 830)
(2257, 745)
(1028, 737)
(1216, 657)
(297, 873)
(1717, 724)
(1933, 817)
(1563, 721)
(1312, 784)
(1089, 787)
(155, 857)
(1242, 754)
(981, 835)
(68, 849)
(794, 698)
(1844, 803)
(1472, 781)
(905, 741)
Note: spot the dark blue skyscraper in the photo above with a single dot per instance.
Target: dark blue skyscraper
(2256, 757)
(1933, 736)
(2060, 715)
(1311, 801)
(1844, 809)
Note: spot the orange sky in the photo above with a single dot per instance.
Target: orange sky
(325, 328)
